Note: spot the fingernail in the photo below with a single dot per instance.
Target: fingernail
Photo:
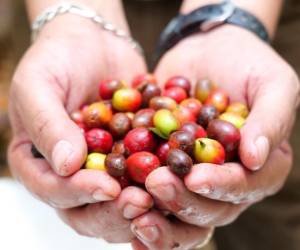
(147, 234)
(130, 211)
(205, 189)
(164, 193)
(263, 147)
(98, 195)
(61, 153)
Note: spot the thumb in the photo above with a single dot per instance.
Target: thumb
(41, 109)
(270, 121)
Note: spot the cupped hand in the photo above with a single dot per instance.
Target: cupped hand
(252, 73)
(59, 73)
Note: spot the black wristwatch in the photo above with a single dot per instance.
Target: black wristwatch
(205, 19)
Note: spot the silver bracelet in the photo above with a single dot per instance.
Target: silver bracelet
(64, 7)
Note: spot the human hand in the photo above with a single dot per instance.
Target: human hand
(58, 74)
(226, 56)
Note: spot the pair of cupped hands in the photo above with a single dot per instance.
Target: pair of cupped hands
(61, 71)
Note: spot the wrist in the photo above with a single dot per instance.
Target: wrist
(111, 11)
(261, 9)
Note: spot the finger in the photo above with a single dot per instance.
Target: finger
(231, 182)
(42, 112)
(134, 201)
(267, 127)
(85, 186)
(156, 232)
(108, 220)
(170, 194)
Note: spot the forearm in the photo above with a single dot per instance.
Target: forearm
(111, 10)
(267, 11)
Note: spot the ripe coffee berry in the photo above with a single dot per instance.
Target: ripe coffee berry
(140, 165)
(179, 81)
(149, 91)
(196, 130)
(115, 164)
(119, 125)
(182, 140)
(179, 162)
(162, 152)
(139, 139)
(207, 114)
(143, 118)
(225, 133)
(176, 93)
(108, 87)
(99, 140)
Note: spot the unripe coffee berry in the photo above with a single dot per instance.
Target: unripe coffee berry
(95, 161)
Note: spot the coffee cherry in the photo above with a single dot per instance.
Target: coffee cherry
(238, 108)
(182, 140)
(149, 91)
(124, 181)
(193, 105)
(140, 165)
(196, 130)
(142, 79)
(139, 139)
(162, 152)
(179, 81)
(225, 133)
(162, 102)
(99, 140)
(95, 161)
(143, 118)
(209, 151)
(179, 162)
(202, 89)
(119, 125)
(176, 93)
(108, 87)
(165, 122)
(207, 114)
(183, 115)
(97, 115)
(115, 164)
(218, 98)
(233, 118)
(127, 100)
(119, 148)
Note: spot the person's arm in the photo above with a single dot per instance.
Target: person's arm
(267, 11)
(111, 10)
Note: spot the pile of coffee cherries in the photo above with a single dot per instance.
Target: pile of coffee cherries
(132, 130)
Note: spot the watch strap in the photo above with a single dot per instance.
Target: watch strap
(204, 19)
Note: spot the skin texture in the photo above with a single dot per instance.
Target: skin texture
(45, 88)
(215, 195)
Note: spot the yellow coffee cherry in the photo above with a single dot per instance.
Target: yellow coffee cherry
(238, 108)
(95, 161)
(233, 118)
